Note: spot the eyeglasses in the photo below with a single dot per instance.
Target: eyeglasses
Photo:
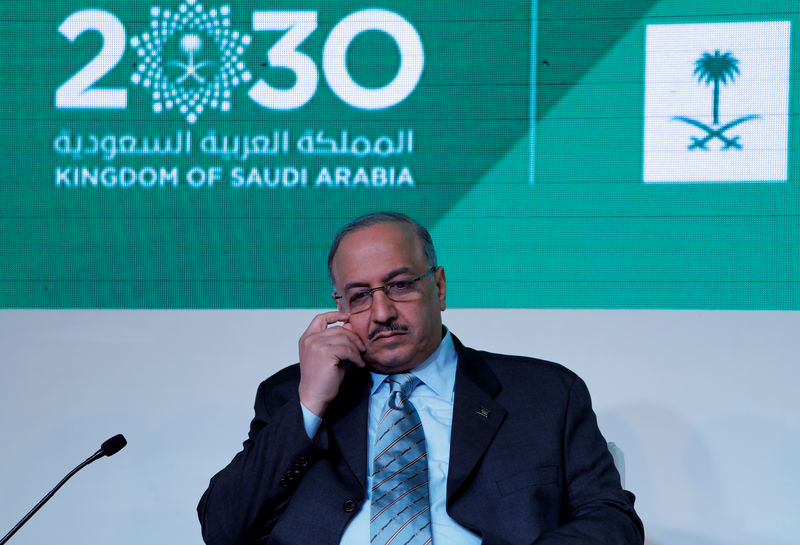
(359, 300)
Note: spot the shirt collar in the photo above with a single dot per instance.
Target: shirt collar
(437, 372)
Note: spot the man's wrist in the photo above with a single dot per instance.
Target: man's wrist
(311, 402)
(311, 421)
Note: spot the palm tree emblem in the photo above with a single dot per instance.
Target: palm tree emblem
(191, 44)
(190, 33)
(715, 69)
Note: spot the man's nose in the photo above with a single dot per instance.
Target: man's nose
(383, 308)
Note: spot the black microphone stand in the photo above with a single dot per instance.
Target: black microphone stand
(104, 451)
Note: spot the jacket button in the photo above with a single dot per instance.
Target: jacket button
(283, 483)
(304, 461)
(349, 506)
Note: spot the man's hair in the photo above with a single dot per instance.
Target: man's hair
(376, 218)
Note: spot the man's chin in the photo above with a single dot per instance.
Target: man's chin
(388, 359)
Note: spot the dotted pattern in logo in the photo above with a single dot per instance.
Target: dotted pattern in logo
(204, 76)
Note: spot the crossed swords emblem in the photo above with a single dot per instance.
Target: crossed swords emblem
(712, 133)
(191, 44)
(716, 69)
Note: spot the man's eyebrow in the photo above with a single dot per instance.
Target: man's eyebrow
(395, 272)
(350, 285)
(386, 278)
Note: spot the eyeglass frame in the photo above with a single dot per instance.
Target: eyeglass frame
(385, 288)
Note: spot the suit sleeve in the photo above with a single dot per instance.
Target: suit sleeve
(245, 500)
(597, 511)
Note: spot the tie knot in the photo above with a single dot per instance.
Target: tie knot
(400, 387)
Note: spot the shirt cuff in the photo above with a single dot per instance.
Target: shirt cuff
(311, 421)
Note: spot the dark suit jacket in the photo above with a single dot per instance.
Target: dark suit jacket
(527, 462)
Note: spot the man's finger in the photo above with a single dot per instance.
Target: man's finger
(349, 327)
(330, 333)
(322, 321)
(341, 339)
(353, 336)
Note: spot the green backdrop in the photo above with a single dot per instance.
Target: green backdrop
(520, 144)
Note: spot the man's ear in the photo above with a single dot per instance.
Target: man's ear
(441, 287)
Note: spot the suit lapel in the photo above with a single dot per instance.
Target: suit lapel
(476, 417)
(347, 421)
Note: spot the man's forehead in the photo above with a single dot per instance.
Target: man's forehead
(382, 237)
(380, 248)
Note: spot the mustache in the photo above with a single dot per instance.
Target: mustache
(384, 328)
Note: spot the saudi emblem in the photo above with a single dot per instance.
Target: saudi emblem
(190, 59)
(716, 102)
(715, 69)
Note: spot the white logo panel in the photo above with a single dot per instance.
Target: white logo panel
(716, 102)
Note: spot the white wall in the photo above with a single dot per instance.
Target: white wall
(704, 404)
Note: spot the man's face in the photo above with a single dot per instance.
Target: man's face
(398, 335)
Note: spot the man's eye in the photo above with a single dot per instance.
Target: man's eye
(400, 285)
(359, 296)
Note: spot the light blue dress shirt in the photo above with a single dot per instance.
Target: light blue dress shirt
(434, 402)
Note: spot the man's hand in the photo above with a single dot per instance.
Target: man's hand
(325, 350)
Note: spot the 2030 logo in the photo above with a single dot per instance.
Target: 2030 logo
(201, 80)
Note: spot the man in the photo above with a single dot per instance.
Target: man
(505, 450)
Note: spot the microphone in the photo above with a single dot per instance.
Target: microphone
(109, 448)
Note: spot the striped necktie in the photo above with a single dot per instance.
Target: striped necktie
(400, 499)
